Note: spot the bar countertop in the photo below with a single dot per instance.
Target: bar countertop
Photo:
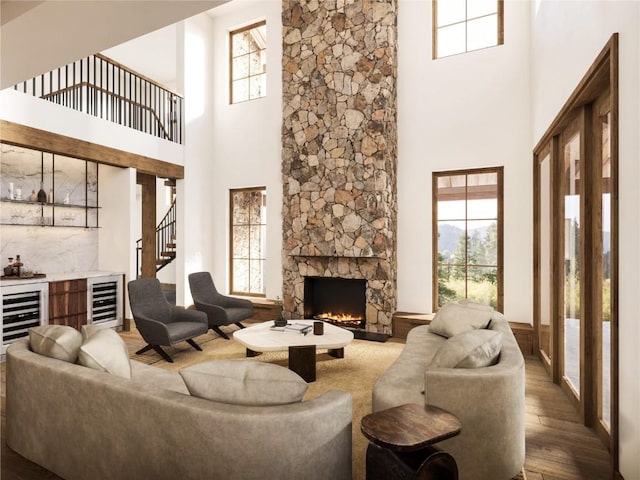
(55, 277)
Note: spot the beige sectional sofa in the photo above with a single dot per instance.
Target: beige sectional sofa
(488, 400)
(81, 423)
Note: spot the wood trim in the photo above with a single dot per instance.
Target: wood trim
(613, 85)
(557, 247)
(29, 137)
(500, 22)
(434, 29)
(434, 240)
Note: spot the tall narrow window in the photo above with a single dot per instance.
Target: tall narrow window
(461, 26)
(467, 236)
(248, 63)
(248, 240)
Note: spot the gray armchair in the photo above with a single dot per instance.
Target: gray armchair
(221, 310)
(159, 322)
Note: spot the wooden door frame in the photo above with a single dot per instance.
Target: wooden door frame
(602, 75)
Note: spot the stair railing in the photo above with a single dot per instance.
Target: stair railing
(101, 87)
(165, 241)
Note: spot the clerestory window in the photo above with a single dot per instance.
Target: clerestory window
(248, 63)
(461, 26)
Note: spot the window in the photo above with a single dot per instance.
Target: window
(248, 63)
(467, 236)
(461, 26)
(248, 240)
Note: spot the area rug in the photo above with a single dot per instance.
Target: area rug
(364, 361)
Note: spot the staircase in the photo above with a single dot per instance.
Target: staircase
(165, 241)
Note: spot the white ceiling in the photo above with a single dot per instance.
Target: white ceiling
(38, 36)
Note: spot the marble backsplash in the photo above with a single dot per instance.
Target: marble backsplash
(50, 250)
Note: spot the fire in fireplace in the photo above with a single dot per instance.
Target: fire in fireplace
(337, 300)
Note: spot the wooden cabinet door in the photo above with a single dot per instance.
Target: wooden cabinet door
(68, 303)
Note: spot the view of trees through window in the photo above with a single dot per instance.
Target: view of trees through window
(249, 63)
(467, 236)
(248, 240)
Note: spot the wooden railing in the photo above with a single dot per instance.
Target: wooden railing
(106, 89)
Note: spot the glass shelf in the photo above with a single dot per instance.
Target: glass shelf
(56, 205)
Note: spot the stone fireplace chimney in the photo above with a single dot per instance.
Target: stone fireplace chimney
(339, 155)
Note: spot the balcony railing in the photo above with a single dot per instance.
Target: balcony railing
(106, 89)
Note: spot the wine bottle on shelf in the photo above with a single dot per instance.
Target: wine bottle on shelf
(42, 195)
(51, 195)
(33, 196)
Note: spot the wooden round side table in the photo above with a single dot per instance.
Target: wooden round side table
(401, 443)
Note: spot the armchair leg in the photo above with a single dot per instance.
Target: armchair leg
(158, 349)
(144, 349)
(194, 344)
(240, 325)
(216, 329)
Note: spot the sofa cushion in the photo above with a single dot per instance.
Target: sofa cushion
(244, 382)
(454, 318)
(472, 349)
(104, 350)
(56, 341)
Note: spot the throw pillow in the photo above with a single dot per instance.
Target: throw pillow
(89, 329)
(244, 382)
(104, 350)
(453, 319)
(56, 341)
(467, 302)
(472, 349)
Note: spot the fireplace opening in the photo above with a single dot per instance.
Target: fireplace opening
(340, 301)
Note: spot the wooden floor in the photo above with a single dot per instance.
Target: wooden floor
(557, 446)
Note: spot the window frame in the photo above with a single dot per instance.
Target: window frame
(499, 171)
(435, 27)
(232, 258)
(232, 33)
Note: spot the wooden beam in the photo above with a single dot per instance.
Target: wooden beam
(148, 183)
(29, 137)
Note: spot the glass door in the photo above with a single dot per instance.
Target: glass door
(571, 205)
(604, 266)
(543, 269)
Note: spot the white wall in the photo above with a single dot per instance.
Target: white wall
(28, 110)
(48, 34)
(566, 38)
(119, 222)
(247, 140)
(460, 112)
(196, 206)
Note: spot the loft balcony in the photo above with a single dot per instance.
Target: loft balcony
(101, 87)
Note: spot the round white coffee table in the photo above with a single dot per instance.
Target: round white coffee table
(302, 348)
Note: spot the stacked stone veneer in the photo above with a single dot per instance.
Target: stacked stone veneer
(339, 141)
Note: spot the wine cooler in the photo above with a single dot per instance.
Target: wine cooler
(23, 307)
